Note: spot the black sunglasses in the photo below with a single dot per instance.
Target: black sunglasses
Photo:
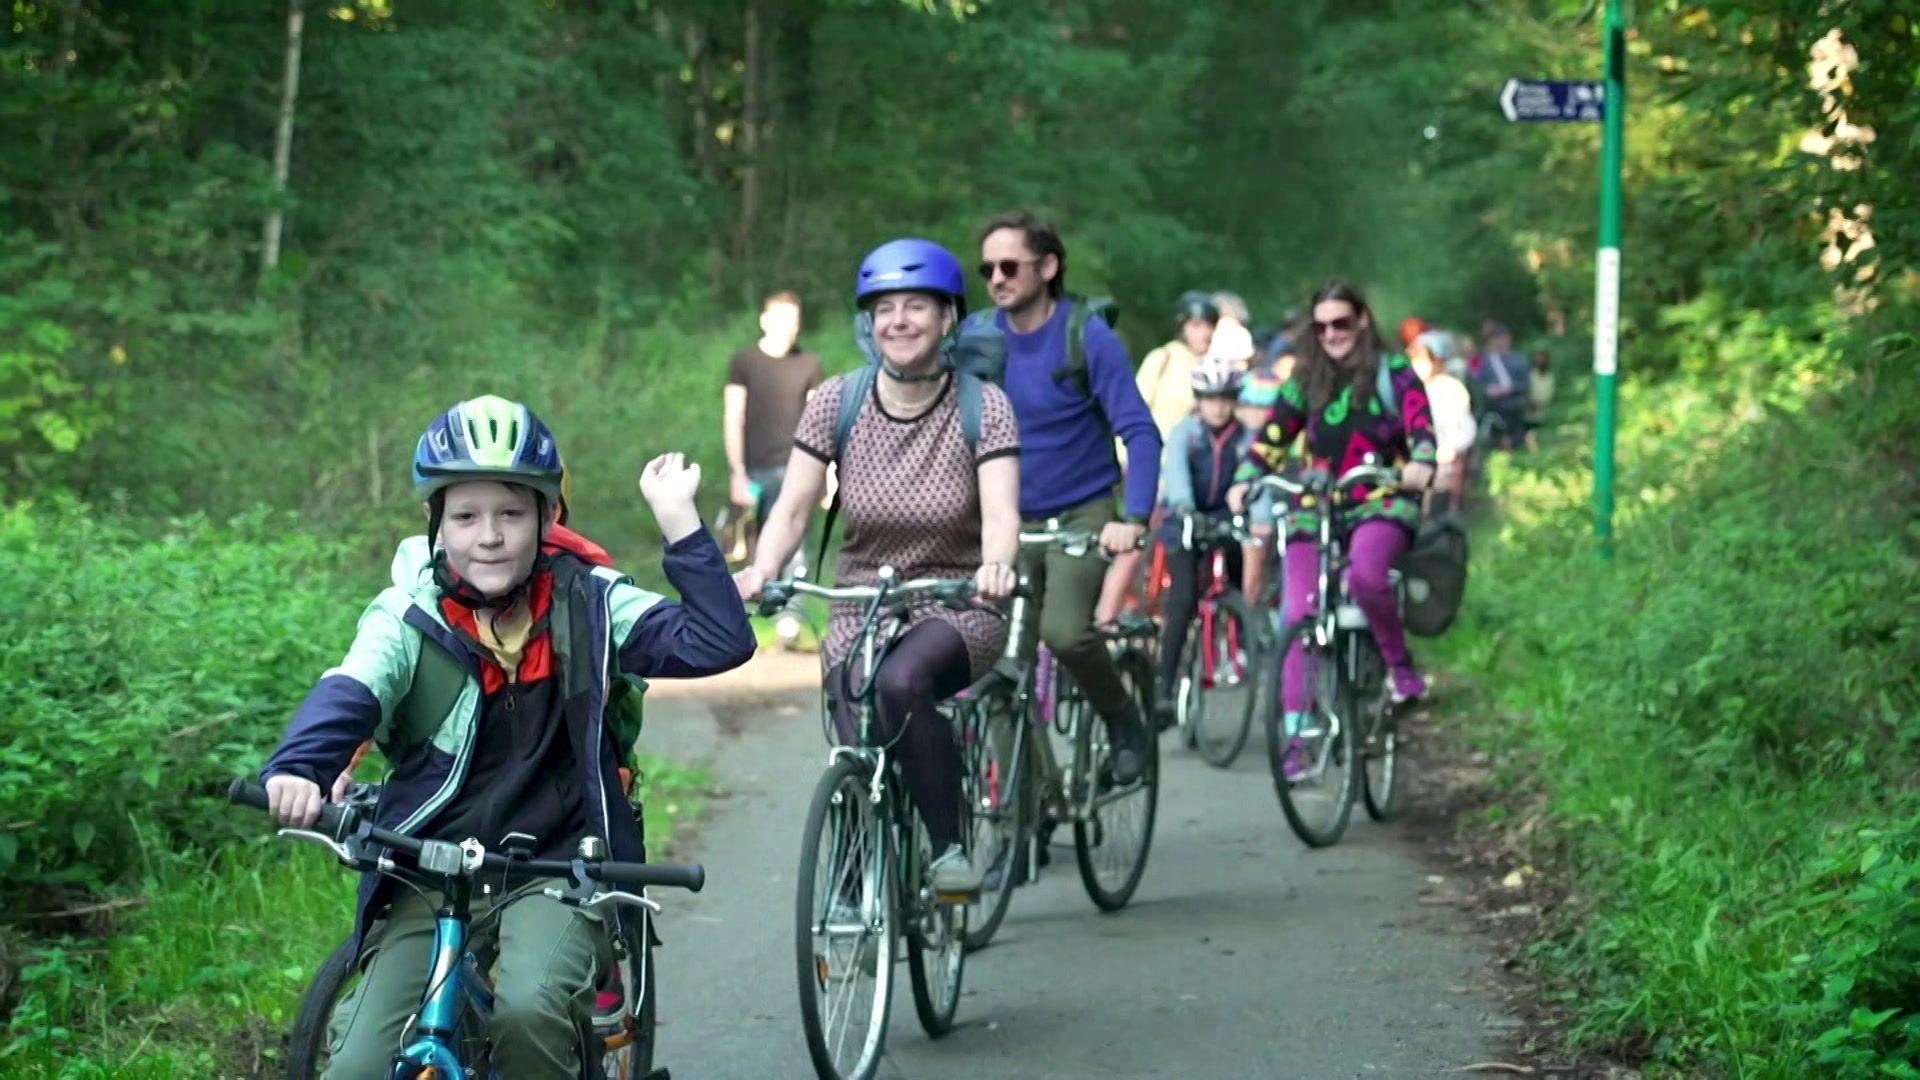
(1009, 268)
(1343, 324)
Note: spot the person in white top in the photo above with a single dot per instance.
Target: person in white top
(1454, 430)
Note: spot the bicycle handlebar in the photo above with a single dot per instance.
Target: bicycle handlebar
(341, 823)
(953, 592)
(1359, 474)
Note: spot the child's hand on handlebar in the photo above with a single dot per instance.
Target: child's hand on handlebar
(1237, 498)
(294, 801)
(1417, 476)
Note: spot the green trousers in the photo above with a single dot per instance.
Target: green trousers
(1067, 589)
(549, 961)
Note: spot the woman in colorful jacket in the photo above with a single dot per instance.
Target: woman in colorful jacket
(523, 746)
(1350, 415)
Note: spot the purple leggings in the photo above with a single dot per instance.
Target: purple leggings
(1371, 549)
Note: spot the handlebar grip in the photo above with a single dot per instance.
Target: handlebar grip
(245, 792)
(692, 877)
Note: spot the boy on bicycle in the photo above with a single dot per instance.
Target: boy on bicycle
(524, 749)
(1196, 470)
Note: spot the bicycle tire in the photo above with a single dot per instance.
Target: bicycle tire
(1091, 836)
(1005, 821)
(307, 1045)
(936, 944)
(1220, 731)
(1294, 795)
(840, 802)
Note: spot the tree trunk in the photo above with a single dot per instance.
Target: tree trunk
(752, 141)
(283, 139)
(700, 59)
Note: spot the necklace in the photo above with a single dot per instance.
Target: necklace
(898, 405)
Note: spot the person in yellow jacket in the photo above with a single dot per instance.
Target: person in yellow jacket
(1166, 375)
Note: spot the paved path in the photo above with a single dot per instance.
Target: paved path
(1242, 955)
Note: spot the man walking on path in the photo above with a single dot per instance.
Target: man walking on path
(768, 383)
(1067, 475)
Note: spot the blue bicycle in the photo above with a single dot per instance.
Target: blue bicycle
(450, 1029)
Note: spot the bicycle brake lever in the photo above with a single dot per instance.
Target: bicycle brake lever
(340, 850)
(615, 896)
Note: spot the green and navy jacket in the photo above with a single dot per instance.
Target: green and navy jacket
(601, 625)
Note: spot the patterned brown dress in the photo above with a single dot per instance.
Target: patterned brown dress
(910, 499)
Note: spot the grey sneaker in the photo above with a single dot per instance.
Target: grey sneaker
(954, 873)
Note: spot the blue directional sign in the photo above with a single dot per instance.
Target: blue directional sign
(1541, 99)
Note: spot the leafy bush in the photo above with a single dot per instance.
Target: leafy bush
(141, 672)
(1722, 722)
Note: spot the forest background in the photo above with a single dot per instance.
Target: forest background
(229, 301)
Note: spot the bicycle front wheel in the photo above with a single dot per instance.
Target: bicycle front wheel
(994, 739)
(1113, 826)
(307, 1045)
(1224, 698)
(1313, 772)
(844, 926)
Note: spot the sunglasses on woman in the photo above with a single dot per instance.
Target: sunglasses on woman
(1009, 268)
(1344, 324)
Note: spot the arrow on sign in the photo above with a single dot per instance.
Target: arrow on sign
(1541, 99)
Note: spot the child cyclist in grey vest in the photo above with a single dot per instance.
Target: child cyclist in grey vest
(522, 748)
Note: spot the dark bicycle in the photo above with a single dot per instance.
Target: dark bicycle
(863, 888)
(1220, 664)
(448, 1036)
(1347, 713)
(1036, 755)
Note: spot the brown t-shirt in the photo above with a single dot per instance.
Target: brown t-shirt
(777, 388)
(910, 499)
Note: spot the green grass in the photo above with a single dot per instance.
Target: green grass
(202, 978)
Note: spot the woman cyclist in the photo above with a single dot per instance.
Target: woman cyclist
(1335, 396)
(915, 496)
(1196, 469)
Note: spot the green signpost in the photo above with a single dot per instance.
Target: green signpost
(1605, 102)
(1606, 301)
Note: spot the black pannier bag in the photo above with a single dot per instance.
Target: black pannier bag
(1435, 573)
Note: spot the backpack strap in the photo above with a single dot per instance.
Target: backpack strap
(968, 393)
(853, 392)
(438, 680)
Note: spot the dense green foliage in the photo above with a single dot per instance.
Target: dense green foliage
(576, 203)
(141, 673)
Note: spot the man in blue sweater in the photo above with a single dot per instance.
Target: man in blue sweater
(1068, 471)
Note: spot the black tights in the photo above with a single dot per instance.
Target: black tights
(1182, 599)
(926, 664)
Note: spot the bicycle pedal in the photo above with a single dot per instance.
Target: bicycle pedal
(963, 898)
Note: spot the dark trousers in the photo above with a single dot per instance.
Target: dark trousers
(1181, 600)
(926, 664)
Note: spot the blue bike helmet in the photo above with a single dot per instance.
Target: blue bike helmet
(487, 438)
(911, 265)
